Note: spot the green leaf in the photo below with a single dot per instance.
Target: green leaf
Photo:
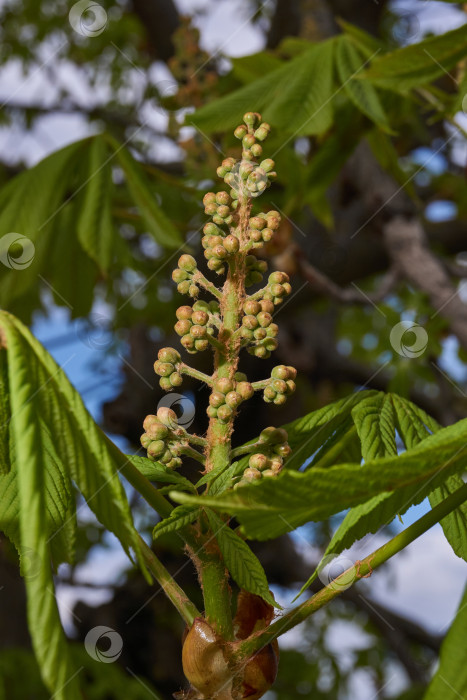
(375, 422)
(308, 434)
(54, 441)
(350, 61)
(159, 225)
(297, 97)
(179, 517)
(249, 68)
(4, 415)
(95, 227)
(278, 505)
(244, 566)
(455, 524)
(156, 471)
(418, 64)
(450, 680)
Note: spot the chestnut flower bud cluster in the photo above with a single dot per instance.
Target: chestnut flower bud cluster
(194, 325)
(166, 366)
(261, 228)
(159, 438)
(218, 248)
(281, 386)
(258, 327)
(270, 460)
(227, 395)
(183, 276)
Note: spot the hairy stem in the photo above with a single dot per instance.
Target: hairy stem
(196, 374)
(361, 569)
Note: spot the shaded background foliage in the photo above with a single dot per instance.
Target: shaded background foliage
(372, 193)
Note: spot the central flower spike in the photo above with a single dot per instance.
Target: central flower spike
(233, 320)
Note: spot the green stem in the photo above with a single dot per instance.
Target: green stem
(149, 492)
(199, 278)
(176, 595)
(215, 343)
(247, 449)
(194, 454)
(261, 384)
(361, 569)
(196, 374)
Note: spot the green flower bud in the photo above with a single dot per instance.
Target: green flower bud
(279, 386)
(224, 413)
(163, 369)
(262, 131)
(209, 198)
(223, 198)
(198, 331)
(268, 473)
(149, 421)
(270, 344)
(187, 262)
(251, 307)
(156, 448)
(233, 399)
(261, 352)
(240, 377)
(246, 333)
(216, 399)
(240, 132)
(251, 474)
(260, 334)
(277, 290)
(290, 386)
(269, 394)
(267, 306)
(182, 327)
(188, 343)
(184, 312)
(258, 461)
(201, 306)
(272, 330)
(256, 150)
(145, 440)
(211, 229)
(220, 252)
(283, 450)
(158, 431)
(264, 319)
(176, 379)
(224, 385)
(201, 345)
(245, 390)
(211, 411)
(167, 417)
(250, 322)
(231, 244)
(257, 222)
(267, 234)
(280, 399)
(214, 307)
(280, 372)
(210, 209)
(255, 236)
(250, 118)
(278, 278)
(248, 140)
(193, 291)
(200, 318)
(267, 165)
(183, 287)
(165, 384)
(179, 275)
(169, 355)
